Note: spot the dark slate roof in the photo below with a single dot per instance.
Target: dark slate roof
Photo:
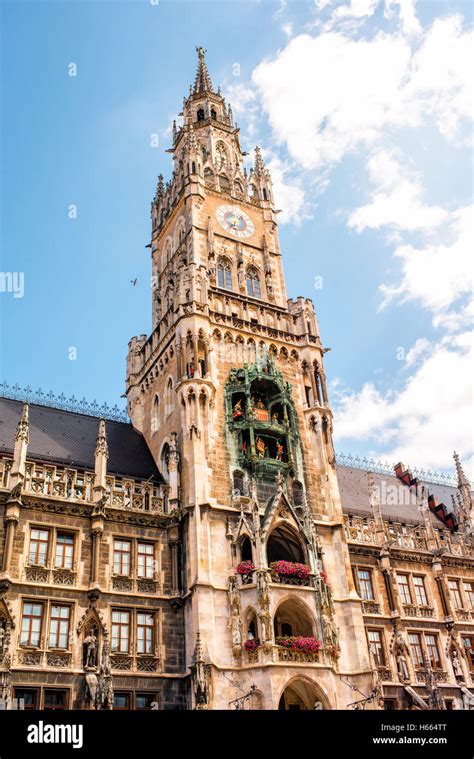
(354, 491)
(65, 437)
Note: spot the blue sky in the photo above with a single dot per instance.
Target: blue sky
(369, 143)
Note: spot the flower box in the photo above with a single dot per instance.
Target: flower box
(299, 644)
(290, 570)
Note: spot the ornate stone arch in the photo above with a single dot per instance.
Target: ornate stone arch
(312, 687)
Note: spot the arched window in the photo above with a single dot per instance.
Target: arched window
(213, 113)
(253, 283)
(200, 114)
(155, 417)
(165, 458)
(208, 176)
(193, 168)
(246, 549)
(284, 545)
(224, 183)
(224, 274)
(169, 396)
(238, 482)
(265, 194)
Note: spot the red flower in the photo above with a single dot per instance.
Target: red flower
(245, 568)
(290, 569)
(251, 645)
(299, 644)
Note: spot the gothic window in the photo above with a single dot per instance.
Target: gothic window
(146, 701)
(414, 640)
(200, 114)
(364, 584)
(31, 624)
(253, 283)
(145, 633)
(246, 549)
(265, 194)
(121, 631)
(420, 590)
(39, 547)
(238, 187)
(213, 113)
(27, 698)
(253, 191)
(433, 650)
(284, 545)
(55, 700)
(145, 560)
(193, 168)
(64, 551)
(169, 396)
(165, 457)
(454, 590)
(468, 643)
(59, 626)
(155, 419)
(376, 647)
(404, 588)
(122, 552)
(469, 591)
(238, 482)
(224, 274)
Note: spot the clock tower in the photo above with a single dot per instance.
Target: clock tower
(229, 391)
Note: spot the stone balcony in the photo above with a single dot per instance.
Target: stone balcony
(412, 610)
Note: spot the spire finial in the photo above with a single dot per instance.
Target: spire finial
(462, 479)
(202, 82)
(259, 167)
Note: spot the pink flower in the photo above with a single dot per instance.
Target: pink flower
(299, 644)
(290, 569)
(245, 568)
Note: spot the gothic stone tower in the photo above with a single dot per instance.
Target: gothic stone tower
(229, 391)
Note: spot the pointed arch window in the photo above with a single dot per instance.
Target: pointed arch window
(155, 418)
(224, 274)
(253, 283)
(200, 114)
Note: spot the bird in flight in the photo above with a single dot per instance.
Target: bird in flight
(134, 281)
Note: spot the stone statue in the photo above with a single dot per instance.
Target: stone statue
(2, 638)
(458, 673)
(90, 642)
(402, 665)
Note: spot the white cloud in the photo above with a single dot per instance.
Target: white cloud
(408, 19)
(330, 94)
(397, 198)
(417, 350)
(430, 416)
(438, 275)
(356, 9)
(289, 195)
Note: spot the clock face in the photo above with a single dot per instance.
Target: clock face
(235, 221)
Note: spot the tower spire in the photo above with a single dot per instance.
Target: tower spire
(464, 489)
(202, 83)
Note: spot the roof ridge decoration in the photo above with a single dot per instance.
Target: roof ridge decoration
(383, 467)
(62, 403)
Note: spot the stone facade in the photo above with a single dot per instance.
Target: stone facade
(231, 570)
